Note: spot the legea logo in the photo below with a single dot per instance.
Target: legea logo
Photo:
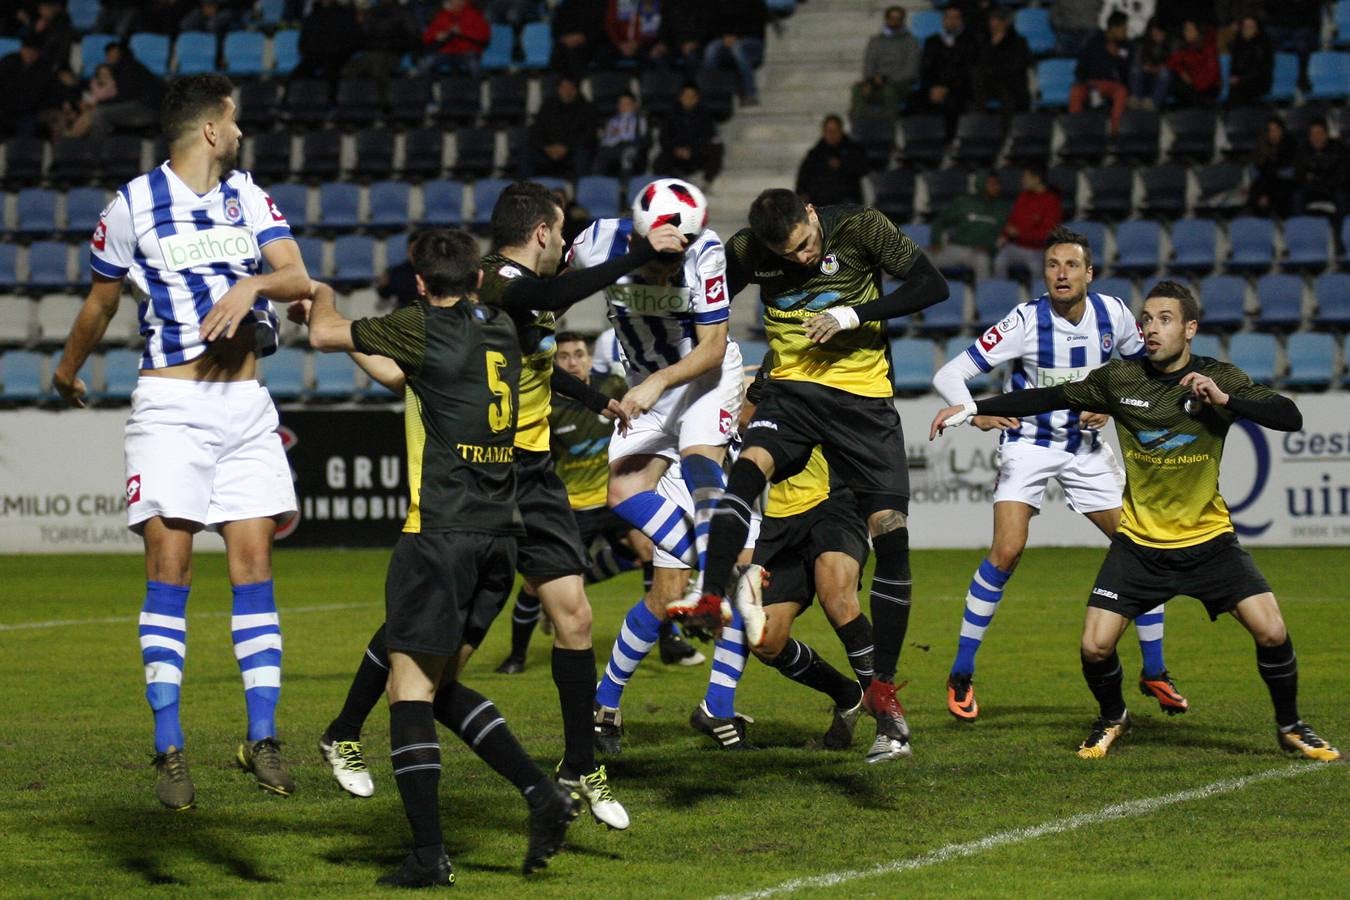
(202, 248)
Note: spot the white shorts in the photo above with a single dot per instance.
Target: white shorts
(207, 452)
(1092, 479)
(672, 487)
(698, 412)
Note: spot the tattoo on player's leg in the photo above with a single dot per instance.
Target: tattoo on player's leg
(887, 520)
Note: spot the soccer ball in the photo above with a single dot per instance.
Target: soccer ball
(670, 201)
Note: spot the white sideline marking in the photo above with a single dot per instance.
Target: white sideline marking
(1128, 810)
(130, 617)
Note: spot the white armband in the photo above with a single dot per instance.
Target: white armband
(962, 417)
(845, 316)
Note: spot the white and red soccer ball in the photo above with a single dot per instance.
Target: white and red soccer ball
(670, 201)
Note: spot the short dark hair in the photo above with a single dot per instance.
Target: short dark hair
(1318, 122)
(189, 98)
(895, 9)
(774, 214)
(1117, 18)
(571, 337)
(446, 259)
(1175, 290)
(835, 118)
(519, 211)
(1063, 235)
(1035, 168)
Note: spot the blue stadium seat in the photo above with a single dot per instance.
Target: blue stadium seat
(924, 24)
(120, 371)
(782, 7)
(270, 12)
(195, 52)
(389, 205)
(84, 205)
(35, 213)
(1207, 345)
(1329, 75)
(1254, 353)
(994, 299)
(152, 51)
(91, 51)
(1114, 287)
(48, 263)
(536, 40)
(983, 383)
(1307, 241)
(395, 249)
(9, 45)
(9, 267)
(243, 53)
(1279, 301)
(1055, 77)
(284, 372)
(1033, 23)
(1284, 79)
(293, 202)
(497, 55)
(912, 365)
(21, 374)
(485, 194)
(1253, 243)
(1312, 359)
(1345, 354)
(334, 376)
(1333, 300)
(285, 51)
(1194, 246)
(1138, 247)
(84, 13)
(443, 203)
(353, 261)
(1095, 232)
(599, 194)
(920, 233)
(752, 352)
(946, 317)
(311, 251)
(1341, 16)
(1223, 300)
(1345, 240)
(339, 207)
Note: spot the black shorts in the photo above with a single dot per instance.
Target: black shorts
(861, 438)
(787, 547)
(1134, 579)
(603, 522)
(440, 582)
(551, 547)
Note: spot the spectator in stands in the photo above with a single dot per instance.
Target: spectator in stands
(738, 35)
(562, 139)
(130, 101)
(1272, 191)
(634, 31)
(623, 142)
(456, 38)
(1001, 67)
(577, 35)
(1035, 213)
(685, 30)
(397, 286)
(945, 69)
(516, 13)
(28, 103)
(50, 24)
(1104, 67)
(966, 231)
(1253, 64)
(329, 35)
(1074, 23)
(1195, 67)
(833, 169)
(689, 142)
(890, 67)
(389, 30)
(1321, 174)
(78, 118)
(117, 17)
(1228, 16)
(212, 16)
(1295, 26)
(1149, 75)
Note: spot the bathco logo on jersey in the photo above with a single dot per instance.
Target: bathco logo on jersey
(202, 248)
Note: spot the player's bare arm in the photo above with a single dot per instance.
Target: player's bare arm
(288, 280)
(100, 305)
(710, 347)
(328, 330)
(381, 369)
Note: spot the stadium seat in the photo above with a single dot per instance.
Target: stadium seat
(408, 101)
(507, 98)
(334, 377)
(388, 206)
(1192, 135)
(311, 251)
(120, 373)
(1064, 179)
(659, 89)
(605, 90)
(195, 52)
(320, 156)
(1033, 23)
(119, 159)
(293, 202)
(1333, 300)
(424, 153)
(893, 193)
(353, 261)
(475, 152)
(944, 186)
(151, 50)
(257, 106)
(1085, 136)
(18, 322)
(35, 210)
(21, 372)
(517, 150)
(994, 298)
(9, 267)
(271, 156)
(1164, 191)
(921, 233)
(1307, 241)
(285, 51)
(876, 134)
(23, 161)
(536, 44)
(84, 206)
(1312, 360)
(1340, 15)
(73, 161)
(442, 203)
(1223, 301)
(91, 51)
(1242, 128)
(1329, 75)
(1298, 118)
(459, 100)
(599, 194)
(1055, 79)
(374, 154)
(1253, 244)
(497, 55)
(56, 313)
(1095, 232)
(485, 194)
(307, 102)
(1194, 246)
(358, 104)
(1112, 191)
(339, 207)
(947, 317)
(1138, 247)
(1254, 353)
(1030, 138)
(243, 53)
(912, 365)
(49, 267)
(1207, 345)
(1114, 287)
(719, 88)
(753, 352)
(1137, 139)
(1279, 300)
(923, 140)
(84, 14)
(979, 138)
(1284, 79)
(982, 383)
(284, 373)
(9, 45)
(395, 249)
(1222, 189)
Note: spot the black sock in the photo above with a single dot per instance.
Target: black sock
(666, 630)
(647, 575)
(800, 663)
(364, 693)
(1279, 670)
(1103, 679)
(730, 525)
(416, 757)
(574, 674)
(523, 619)
(892, 590)
(856, 636)
(475, 720)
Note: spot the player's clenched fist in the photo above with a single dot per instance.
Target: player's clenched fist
(71, 388)
(667, 239)
(1203, 388)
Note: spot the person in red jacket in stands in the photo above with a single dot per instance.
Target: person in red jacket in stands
(1195, 68)
(1035, 213)
(456, 38)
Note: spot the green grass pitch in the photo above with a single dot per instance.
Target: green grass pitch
(80, 818)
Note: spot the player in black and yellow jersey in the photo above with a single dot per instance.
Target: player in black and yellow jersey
(820, 273)
(457, 364)
(1172, 412)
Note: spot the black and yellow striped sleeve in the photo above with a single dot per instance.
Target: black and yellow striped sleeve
(891, 248)
(401, 336)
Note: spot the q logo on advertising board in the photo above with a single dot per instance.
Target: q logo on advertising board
(1260, 476)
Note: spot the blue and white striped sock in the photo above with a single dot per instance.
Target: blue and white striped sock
(707, 482)
(986, 590)
(728, 664)
(636, 639)
(163, 630)
(256, 632)
(1150, 629)
(664, 521)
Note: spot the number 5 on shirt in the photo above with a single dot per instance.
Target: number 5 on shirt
(499, 413)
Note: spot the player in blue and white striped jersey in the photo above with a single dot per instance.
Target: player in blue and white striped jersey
(201, 445)
(1059, 337)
